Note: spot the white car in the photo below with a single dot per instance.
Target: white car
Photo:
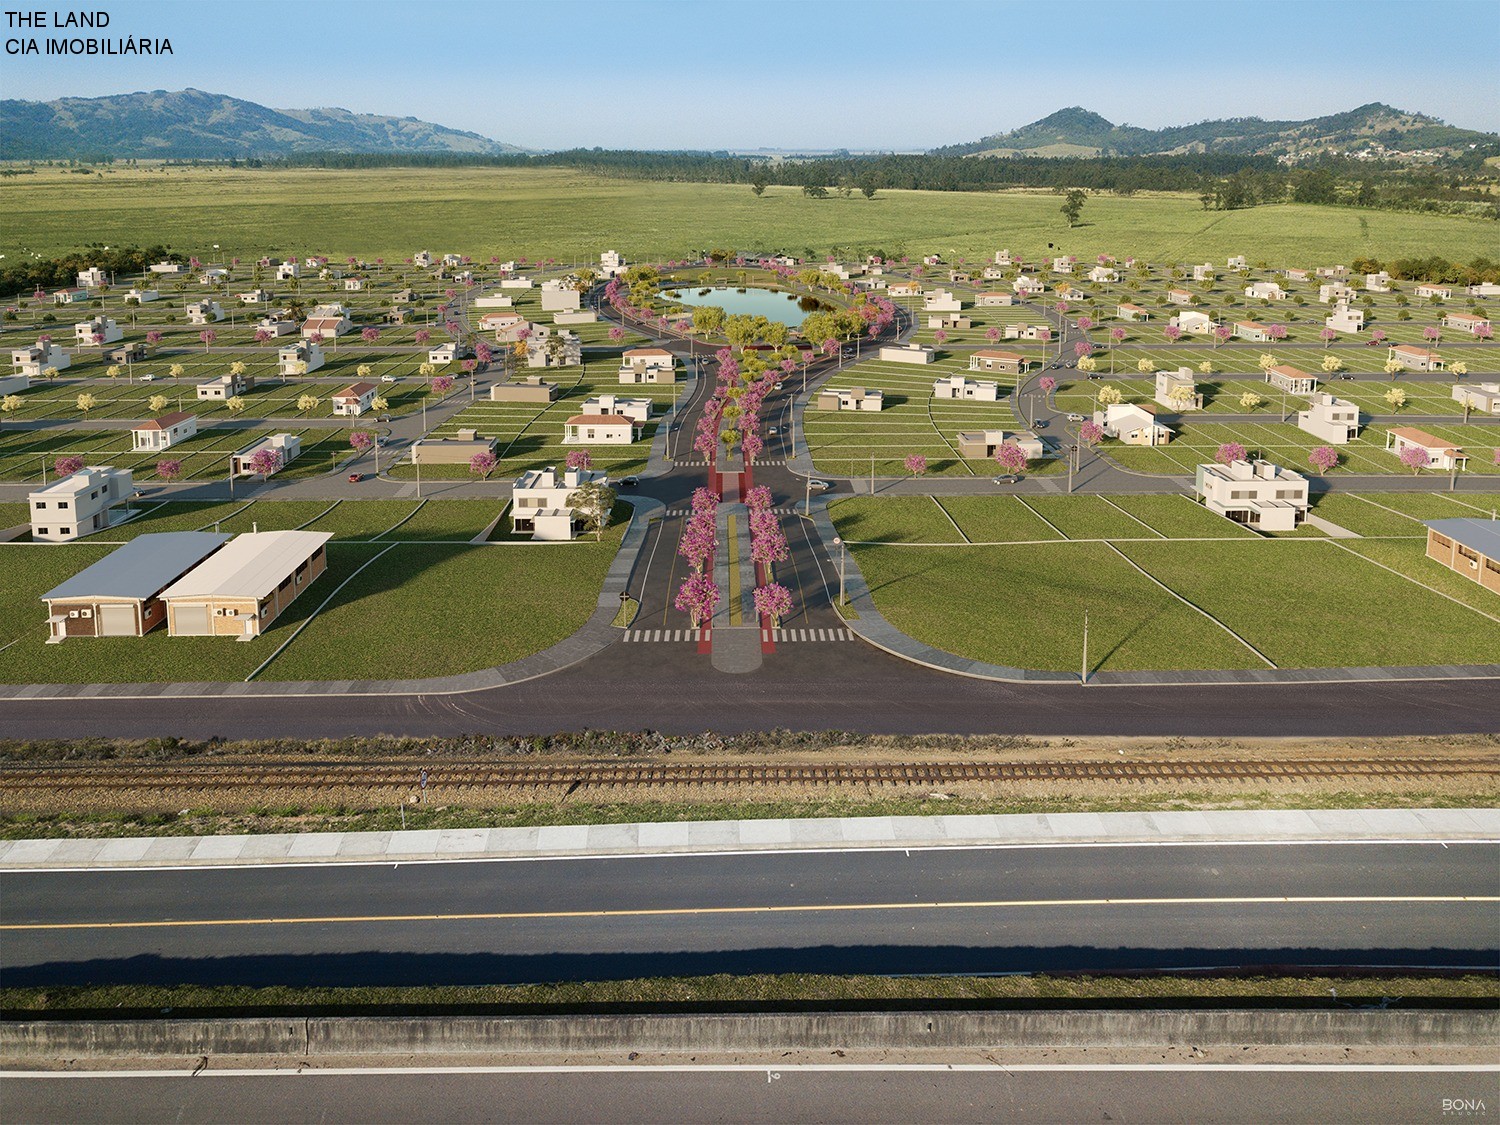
(147, 377)
(819, 485)
(388, 378)
(1075, 417)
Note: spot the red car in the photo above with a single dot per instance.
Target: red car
(355, 478)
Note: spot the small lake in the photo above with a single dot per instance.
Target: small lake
(780, 308)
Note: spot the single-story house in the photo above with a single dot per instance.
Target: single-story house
(1264, 291)
(120, 594)
(354, 399)
(142, 296)
(854, 398)
(1025, 286)
(960, 386)
(949, 320)
(167, 269)
(1238, 262)
(454, 449)
(1028, 332)
(904, 289)
(1191, 320)
(993, 359)
(490, 301)
(984, 444)
(600, 429)
(1414, 358)
(1205, 272)
(506, 326)
(575, 316)
(1132, 312)
(1178, 390)
(908, 353)
(1252, 330)
(353, 284)
(1180, 296)
(1430, 291)
(517, 282)
(325, 327)
(288, 445)
(994, 300)
(533, 388)
(447, 353)
(1293, 380)
(225, 387)
(277, 325)
(1467, 322)
(1468, 546)
(1133, 423)
(256, 297)
(648, 365)
(1484, 397)
(241, 588)
(164, 432)
(1441, 454)
(560, 298)
(70, 296)
(1103, 275)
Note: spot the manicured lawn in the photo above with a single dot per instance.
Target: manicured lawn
(1088, 517)
(1410, 558)
(364, 519)
(1308, 604)
(893, 519)
(276, 515)
(448, 520)
(1023, 606)
(1369, 515)
(13, 515)
(998, 519)
(176, 515)
(1179, 517)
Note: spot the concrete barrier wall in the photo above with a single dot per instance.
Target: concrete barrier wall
(324, 1037)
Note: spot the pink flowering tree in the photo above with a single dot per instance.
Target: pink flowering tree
(580, 459)
(153, 337)
(1323, 458)
(770, 545)
(67, 466)
(361, 441)
(1083, 348)
(169, 469)
(266, 463)
(369, 334)
(1276, 331)
(773, 601)
(697, 597)
(1171, 332)
(422, 337)
(758, 498)
(1432, 334)
(1415, 458)
(1048, 384)
(940, 336)
(704, 500)
(1011, 457)
(1328, 336)
(263, 336)
(697, 543)
(992, 334)
(1091, 433)
(1230, 451)
(208, 336)
(916, 464)
(1221, 333)
(751, 444)
(1085, 323)
(1377, 336)
(483, 463)
(442, 384)
(616, 334)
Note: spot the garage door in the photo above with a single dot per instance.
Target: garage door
(117, 620)
(190, 621)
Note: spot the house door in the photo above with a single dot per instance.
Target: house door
(191, 621)
(117, 620)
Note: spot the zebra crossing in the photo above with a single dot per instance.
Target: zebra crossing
(780, 636)
(704, 464)
(776, 511)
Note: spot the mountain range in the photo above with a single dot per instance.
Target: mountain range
(192, 124)
(1380, 129)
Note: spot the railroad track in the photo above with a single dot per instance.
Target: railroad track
(589, 775)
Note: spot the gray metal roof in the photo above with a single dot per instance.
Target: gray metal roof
(1476, 534)
(143, 567)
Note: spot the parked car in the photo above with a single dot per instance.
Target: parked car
(1040, 424)
(819, 485)
(629, 482)
(1075, 417)
(1009, 478)
(355, 478)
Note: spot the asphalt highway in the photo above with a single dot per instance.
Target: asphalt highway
(630, 1094)
(980, 910)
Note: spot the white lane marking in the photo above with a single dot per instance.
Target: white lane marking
(936, 846)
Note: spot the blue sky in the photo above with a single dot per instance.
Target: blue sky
(861, 74)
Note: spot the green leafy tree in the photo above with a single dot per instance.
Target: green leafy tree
(1072, 206)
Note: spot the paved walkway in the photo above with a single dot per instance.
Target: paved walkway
(812, 833)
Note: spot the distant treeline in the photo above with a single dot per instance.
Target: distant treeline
(58, 273)
(1221, 181)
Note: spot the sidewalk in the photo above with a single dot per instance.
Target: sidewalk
(814, 833)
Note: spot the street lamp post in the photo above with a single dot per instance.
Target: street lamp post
(1084, 678)
(843, 550)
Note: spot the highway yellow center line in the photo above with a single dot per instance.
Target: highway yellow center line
(828, 908)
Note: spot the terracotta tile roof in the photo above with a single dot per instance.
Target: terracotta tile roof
(357, 390)
(993, 353)
(1423, 438)
(599, 420)
(166, 421)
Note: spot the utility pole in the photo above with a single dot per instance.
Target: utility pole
(1084, 679)
(806, 507)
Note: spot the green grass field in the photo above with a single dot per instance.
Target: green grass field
(568, 214)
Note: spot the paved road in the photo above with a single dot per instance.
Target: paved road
(982, 910)
(789, 1094)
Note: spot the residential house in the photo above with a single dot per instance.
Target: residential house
(488, 301)
(1028, 332)
(1238, 262)
(1432, 290)
(422, 259)
(518, 282)
(326, 327)
(1103, 275)
(96, 332)
(1467, 546)
(1483, 289)
(1252, 330)
(1064, 264)
(1335, 291)
(575, 316)
(1378, 282)
(610, 263)
(1345, 319)
(600, 429)
(79, 504)
(994, 273)
(908, 353)
(507, 326)
(1484, 397)
(1205, 272)
(984, 444)
(167, 269)
(120, 594)
(401, 314)
(1331, 419)
(1180, 296)
(256, 297)
(636, 409)
(447, 352)
(70, 296)
(93, 278)
(947, 321)
(451, 449)
(142, 296)
(355, 399)
(533, 388)
(164, 432)
(1415, 358)
(1255, 493)
(204, 312)
(452, 260)
(1178, 390)
(1002, 258)
(648, 365)
(1132, 312)
(842, 272)
(855, 398)
(1333, 272)
(1441, 454)
(1026, 287)
(37, 358)
(994, 300)
(244, 586)
(1264, 291)
(288, 445)
(960, 386)
(224, 388)
(993, 359)
(539, 502)
(1133, 423)
(1467, 322)
(129, 353)
(288, 271)
(904, 289)
(300, 359)
(550, 346)
(1293, 380)
(940, 300)
(277, 325)
(1297, 275)
(558, 297)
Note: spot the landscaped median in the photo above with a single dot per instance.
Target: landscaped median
(1166, 586)
(408, 594)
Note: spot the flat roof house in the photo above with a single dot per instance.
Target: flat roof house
(984, 444)
(993, 359)
(288, 445)
(354, 399)
(1178, 390)
(1345, 319)
(1133, 423)
(648, 365)
(36, 358)
(447, 352)
(79, 504)
(636, 409)
(164, 432)
(539, 502)
(1441, 454)
(533, 388)
(854, 398)
(949, 320)
(1335, 291)
(487, 301)
(277, 325)
(1484, 397)
(454, 449)
(240, 589)
(142, 296)
(1468, 546)
(120, 595)
(559, 298)
(904, 289)
(288, 270)
(960, 386)
(1414, 358)
(940, 300)
(1238, 262)
(908, 353)
(994, 300)
(300, 359)
(1205, 272)
(1334, 420)
(96, 332)
(225, 387)
(1255, 493)
(1467, 322)
(1264, 291)
(203, 312)
(575, 316)
(553, 347)
(1378, 282)
(600, 429)
(93, 278)
(1293, 380)
(256, 297)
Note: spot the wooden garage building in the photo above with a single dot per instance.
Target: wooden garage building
(120, 595)
(242, 589)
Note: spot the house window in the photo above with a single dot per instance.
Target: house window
(1441, 540)
(60, 504)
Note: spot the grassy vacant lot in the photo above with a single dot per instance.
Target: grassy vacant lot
(395, 621)
(564, 213)
(1300, 603)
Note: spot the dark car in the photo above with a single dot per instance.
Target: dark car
(629, 482)
(1009, 478)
